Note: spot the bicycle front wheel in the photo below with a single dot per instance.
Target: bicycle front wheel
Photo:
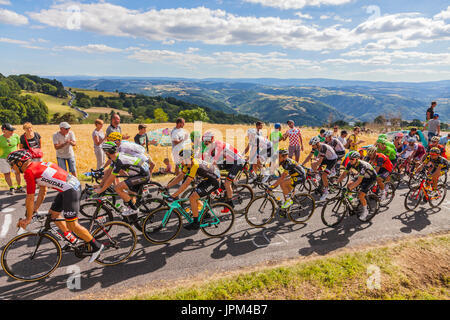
(119, 240)
(333, 212)
(260, 211)
(242, 196)
(160, 227)
(390, 194)
(31, 256)
(217, 221)
(373, 206)
(438, 196)
(413, 198)
(302, 209)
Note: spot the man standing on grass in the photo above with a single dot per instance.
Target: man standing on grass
(64, 141)
(8, 143)
(433, 126)
(295, 140)
(179, 138)
(115, 127)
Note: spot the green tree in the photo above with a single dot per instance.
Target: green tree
(9, 116)
(160, 115)
(194, 115)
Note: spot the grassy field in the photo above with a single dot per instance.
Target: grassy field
(409, 269)
(54, 104)
(85, 157)
(93, 93)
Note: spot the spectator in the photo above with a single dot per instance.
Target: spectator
(9, 141)
(295, 140)
(64, 141)
(98, 136)
(336, 132)
(353, 141)
(141, 138)
(115, 127)
(30, 139)
(433, 126)
(179, 138)
(275, 137)
(444, 140)
(343, 138)
(430, 111)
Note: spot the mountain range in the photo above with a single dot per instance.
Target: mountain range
(306, 101)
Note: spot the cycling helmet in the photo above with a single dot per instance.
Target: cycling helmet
(435, 139)
(277, 126)
(381, 140)
(435, 151)
(19, 155)
(371, 151)
(382, 136)
(314, 141)
(109, 147)
(283, 152)
(354, 155)
(208, 136)
(328, 133)
(399, 135)
(412, 140)
(114, 136)
(194, 135)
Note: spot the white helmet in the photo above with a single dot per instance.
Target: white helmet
(314, 140)
(328, 133)
(208, 136)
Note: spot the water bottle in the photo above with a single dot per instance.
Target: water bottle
(70, 237)
(119, 207)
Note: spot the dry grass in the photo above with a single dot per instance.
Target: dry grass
(85, 157)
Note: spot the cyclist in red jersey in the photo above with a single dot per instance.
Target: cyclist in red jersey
(434, 143)
(383, 166)
(49, 175)
(226, 157)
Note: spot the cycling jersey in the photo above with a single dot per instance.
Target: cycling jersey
(391, 153)
(201, 168)
(221, 152)
(132, 149)
(364, 168)
(326, 151)
(133, 165)
(337, 146)
(382, 161)
(47, 174)
(418, 150)
(259, 147)
(439, 162)
(292, 167)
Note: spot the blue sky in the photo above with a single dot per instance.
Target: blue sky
(341, 39)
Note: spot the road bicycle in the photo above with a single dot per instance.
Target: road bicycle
(164, 224)
(262, 209)
(424, 192)
(347, 203)
(390, 193)
(33, 256)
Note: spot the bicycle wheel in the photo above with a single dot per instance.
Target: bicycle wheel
(242, 177)
(413, 198)
(302, 209)
(395, 179)
(217, 221)
(146, 206)
(373, 206)
(151, 189)
(260, 211)
(89, 209)
(242, 196)
(159, 227)
(119, 240)
(438, 196)
(390, 194)
(31, 256)
(333, 211)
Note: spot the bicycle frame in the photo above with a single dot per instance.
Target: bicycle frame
(175, 205)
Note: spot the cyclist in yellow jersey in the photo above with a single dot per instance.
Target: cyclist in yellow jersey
(437, 165)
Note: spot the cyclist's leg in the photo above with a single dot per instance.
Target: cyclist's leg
(435, 177)
(55, 210)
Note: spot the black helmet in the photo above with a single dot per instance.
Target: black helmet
(19, 155)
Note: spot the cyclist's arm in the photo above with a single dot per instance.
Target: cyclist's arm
(307, 158)
(280, 179)
(106, 183)
(318, 163)
(29, 205)
(40, 198)
(343, 175)
(356, 183)
(175, 180)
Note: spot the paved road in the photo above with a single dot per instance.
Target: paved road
(72, 98)
(193, 254)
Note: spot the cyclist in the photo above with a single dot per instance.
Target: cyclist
(388, 149)
(226, 157)
(383, 166)
(417, 150)
(292, 175)
(191, 168)
(122, 163)
(434, 143)
(327, 157)
(398, 142)
(367, 177)
(436, 164)
(261, 149)
(67, 202)
(337, 146)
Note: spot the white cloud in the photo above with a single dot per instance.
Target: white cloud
(303, 15)
(91, 48)
(297, 4)
(5, 2)
(13, 41)
(443, 15)
(11, 17)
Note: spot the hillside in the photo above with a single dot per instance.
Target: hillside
(345, 100)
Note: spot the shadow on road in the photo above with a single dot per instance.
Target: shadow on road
(416, 220)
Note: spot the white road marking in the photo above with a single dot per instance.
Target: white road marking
(6, 225)
(7, 210)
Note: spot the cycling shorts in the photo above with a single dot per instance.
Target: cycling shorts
(207, 186)
(383, 173)
(133, 183)
(366, 184)
(68, 203)
(330, 164)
